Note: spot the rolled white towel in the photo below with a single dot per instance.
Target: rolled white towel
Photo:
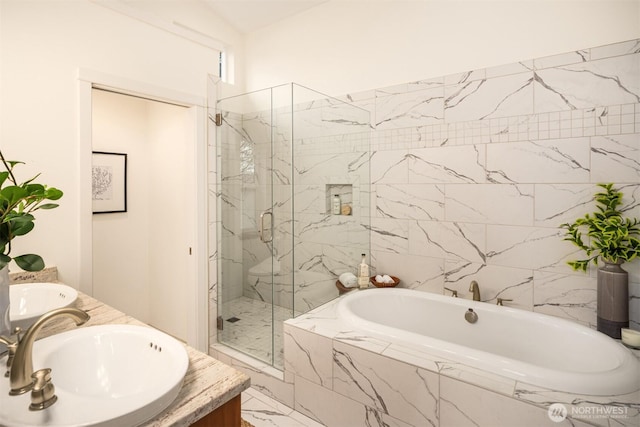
(387, 279)
(379, 279)
(348, 280)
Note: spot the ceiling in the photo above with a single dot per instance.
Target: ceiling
(250, 15)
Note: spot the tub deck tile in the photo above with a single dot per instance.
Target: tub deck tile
(373, 380)
(592, 409)
(464, 405)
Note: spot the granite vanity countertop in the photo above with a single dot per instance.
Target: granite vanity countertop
(208, 383)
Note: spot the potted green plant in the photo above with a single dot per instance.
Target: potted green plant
(615, 239)
(18, 203)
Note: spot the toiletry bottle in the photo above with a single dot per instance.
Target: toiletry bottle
(363, 274)
(336, 205)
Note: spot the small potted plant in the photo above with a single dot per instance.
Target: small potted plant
(615, 240)
(18, 203)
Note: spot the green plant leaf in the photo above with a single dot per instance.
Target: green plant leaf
(53, 193)
(612, 237)
(3, 177)
(13, 194)
(21, 228)
(34, 189)
(29, 262)
(4, 261)
(48, 206)
(13, 163)
(16, 203)
(4, 241)
(580, 265)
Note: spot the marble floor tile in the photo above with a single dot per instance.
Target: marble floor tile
(262, 411)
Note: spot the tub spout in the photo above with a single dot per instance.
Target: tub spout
(475, 289)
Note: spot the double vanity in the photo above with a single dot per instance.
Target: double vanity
(112, 370)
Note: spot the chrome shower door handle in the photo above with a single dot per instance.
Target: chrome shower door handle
(261, 230)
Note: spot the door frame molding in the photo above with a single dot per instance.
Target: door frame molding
(197, 288)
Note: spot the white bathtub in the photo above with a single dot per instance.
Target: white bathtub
(533, 348)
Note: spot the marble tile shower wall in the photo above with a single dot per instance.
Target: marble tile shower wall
(331, 155)
(320, 157)
(473, 173)
(330, 149)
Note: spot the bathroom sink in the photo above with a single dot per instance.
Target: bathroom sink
(31, 300)
(108, 375)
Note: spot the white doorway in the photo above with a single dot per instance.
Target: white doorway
(150, 261)
(141, 256)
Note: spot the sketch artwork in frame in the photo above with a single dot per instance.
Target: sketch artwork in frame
(109, 182)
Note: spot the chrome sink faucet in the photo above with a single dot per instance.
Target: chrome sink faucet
(473, 288)
(20, 378)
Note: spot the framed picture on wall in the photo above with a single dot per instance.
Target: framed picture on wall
(109, 182)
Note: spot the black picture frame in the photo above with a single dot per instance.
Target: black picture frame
(108, 182)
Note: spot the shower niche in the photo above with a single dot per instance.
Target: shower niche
(282, 154)
(344, 192)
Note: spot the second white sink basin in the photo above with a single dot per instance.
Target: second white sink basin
(31, 300)
(109, 375)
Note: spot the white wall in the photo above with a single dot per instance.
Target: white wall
(140, 256)
(121, 240)
(44, 43)
(195, 17)
(348, 46)
(171, 147)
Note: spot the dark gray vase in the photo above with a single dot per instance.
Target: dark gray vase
(613, 299)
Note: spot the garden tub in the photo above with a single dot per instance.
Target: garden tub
(529, 347)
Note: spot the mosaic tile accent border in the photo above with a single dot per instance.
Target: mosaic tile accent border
(600, 121)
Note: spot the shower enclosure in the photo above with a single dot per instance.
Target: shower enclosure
(283, 153)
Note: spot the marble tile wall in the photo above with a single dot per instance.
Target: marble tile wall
(473, 173)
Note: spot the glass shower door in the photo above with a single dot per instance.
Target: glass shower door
(245, 208)
(278, 254)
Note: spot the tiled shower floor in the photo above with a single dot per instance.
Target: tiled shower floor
(251, 332)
